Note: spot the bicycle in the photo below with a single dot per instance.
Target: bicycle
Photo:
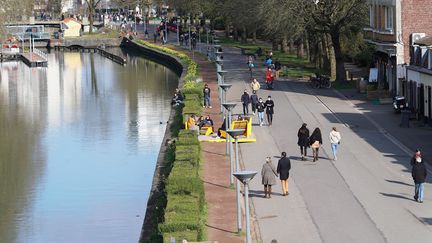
(320, 81)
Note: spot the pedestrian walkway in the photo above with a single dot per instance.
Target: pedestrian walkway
(366, 196)
(220, 198)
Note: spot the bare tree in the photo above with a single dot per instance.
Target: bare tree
(91, 6)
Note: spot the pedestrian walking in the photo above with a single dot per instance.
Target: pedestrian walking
(283, 168)
(269, 105)
(245, 99)
(254, 101)
(419, 173)
(255, 85)
(260, 108)
(206, 92)
(417, 154)
(268, 177)
(335, 138)
(315, 142)
(303, 140)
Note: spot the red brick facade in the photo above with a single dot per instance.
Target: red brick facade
(416, 18)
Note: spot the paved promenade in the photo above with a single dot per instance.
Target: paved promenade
(365, 196)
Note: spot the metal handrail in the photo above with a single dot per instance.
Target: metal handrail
(40, 53)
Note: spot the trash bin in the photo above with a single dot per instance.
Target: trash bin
(405, 116)
(243, 51)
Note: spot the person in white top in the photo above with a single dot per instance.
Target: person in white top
(335, 138)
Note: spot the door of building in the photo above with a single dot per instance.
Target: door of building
(429, 105)
(420, 102)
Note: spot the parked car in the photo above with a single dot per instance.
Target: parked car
(399, 104)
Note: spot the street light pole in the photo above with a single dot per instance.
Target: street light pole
(235, 133)
(245, 177)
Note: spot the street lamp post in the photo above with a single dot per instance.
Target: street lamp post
(229, 107)
(221, 80)
(235, 133)
(245, 177)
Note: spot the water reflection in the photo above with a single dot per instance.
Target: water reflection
(78, 145)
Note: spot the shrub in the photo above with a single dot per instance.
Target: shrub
(185, 212)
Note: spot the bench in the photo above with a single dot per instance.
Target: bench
(243, 124)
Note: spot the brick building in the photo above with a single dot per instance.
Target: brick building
(392, 26)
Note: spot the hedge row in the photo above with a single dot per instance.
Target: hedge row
(185, 213)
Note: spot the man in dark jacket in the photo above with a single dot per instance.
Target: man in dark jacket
(260, 106)
(269, 104)
(254, 101)
(283, 168)
(245, 99)
(419, 173)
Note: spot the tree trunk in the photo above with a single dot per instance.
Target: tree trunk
(340, 67)
(227, 29)
(300, 49)
(291, 45)
(236, 34)
(254, 37)
(306, 42)
(91, 9)
(284, 44)
(275, 44)
(244, 35)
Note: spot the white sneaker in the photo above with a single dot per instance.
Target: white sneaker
(261, 124)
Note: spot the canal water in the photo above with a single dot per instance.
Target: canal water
(79, 142)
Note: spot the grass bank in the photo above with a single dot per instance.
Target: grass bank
(296, 67)
(182, 211)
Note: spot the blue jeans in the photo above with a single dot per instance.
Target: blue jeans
(419, 191)
(207, 100)
(261, 117)
(334, 147)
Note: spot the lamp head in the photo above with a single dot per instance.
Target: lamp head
(245, 176)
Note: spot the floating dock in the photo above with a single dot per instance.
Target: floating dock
(34, 59)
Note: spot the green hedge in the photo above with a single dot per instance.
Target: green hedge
(185, 212)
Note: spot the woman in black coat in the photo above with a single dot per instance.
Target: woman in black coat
(303, 140)
(283, 168)
(315, 141)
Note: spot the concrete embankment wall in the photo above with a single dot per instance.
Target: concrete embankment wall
(157, 188)
(157, 56)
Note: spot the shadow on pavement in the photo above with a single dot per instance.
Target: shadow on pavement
(396, 196)
(213, 184)
(224, 230)
(426, 220)
(399, 182)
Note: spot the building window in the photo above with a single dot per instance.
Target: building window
(388, 18)
(372, 16)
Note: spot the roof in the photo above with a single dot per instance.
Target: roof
(426, 41)
(67, 20)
